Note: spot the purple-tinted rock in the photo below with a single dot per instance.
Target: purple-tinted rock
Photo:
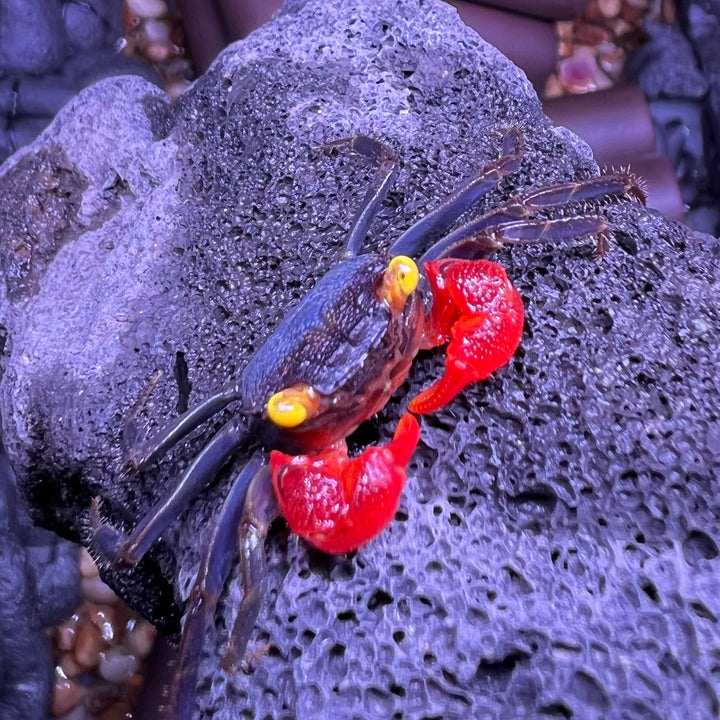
(49, 50)
(92, 24)
(556, 549)
(39, 586)
(666, 67)
(31, 37)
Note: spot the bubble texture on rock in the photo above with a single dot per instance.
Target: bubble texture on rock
(555, 552)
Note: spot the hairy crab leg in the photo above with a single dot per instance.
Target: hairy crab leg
(516, 222)
(261, 509)
(387, 160)
(595, 188)
(477, 309)
(209, 582)
(160, 443)
(338, 503)
(129, 549)
(437, 222)
(482, 238)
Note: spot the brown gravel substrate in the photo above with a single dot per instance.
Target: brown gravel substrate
(99, 654)
(154, 34)
(593, 48)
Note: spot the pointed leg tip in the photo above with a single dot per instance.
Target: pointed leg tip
(107, 542)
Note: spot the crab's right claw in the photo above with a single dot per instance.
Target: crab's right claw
(477, 309)
(338, 503)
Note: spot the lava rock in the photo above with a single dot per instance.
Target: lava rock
(40, 586)
(31, 38)
(679, 72)
(49, 50)
(666, 65)
(556, 550)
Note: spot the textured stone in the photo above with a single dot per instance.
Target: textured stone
(49, 50)
(38, 587)
(556, 549)
(666, 67)
(31, 40)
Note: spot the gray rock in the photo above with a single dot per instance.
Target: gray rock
(49, 51)
(92, 24)
(666, 67)
(556, 549)
(39, 586)
(31, 37)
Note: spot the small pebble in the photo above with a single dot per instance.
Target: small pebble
(609, 8)
(157, 31)
(579, 72)
(103, 617)
(612, 61)
(88, 568)
(147, 8)
(157, 52)
(66, 633)
(67, 694)
(141, 639)
(591, 34)
(96, 590)
(176, 89)
(69, 665)
(117, 665)
(88, 645)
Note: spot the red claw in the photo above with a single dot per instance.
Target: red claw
(338, 503)
(480, 313)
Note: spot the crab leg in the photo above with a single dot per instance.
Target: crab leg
(387, 160)
(596, 188)
(209, 582)
(437, 222)
(480, 313)
(159, 444)
(337, 503)
(261, 509)
(485, 236)
(129, 549)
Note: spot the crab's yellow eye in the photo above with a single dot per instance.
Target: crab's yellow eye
(401, 279)
(293, 406)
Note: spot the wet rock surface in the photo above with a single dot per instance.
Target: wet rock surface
(556, 550)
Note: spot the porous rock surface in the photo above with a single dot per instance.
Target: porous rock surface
(556, 549)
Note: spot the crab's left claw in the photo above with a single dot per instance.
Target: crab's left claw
(477, 309)
(338, 503)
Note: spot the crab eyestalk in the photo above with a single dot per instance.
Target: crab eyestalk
(292, 406)
(399, 282)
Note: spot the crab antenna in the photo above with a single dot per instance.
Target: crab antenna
(436, 223)
(377, 192)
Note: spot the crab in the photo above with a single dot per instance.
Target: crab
(333, 362)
